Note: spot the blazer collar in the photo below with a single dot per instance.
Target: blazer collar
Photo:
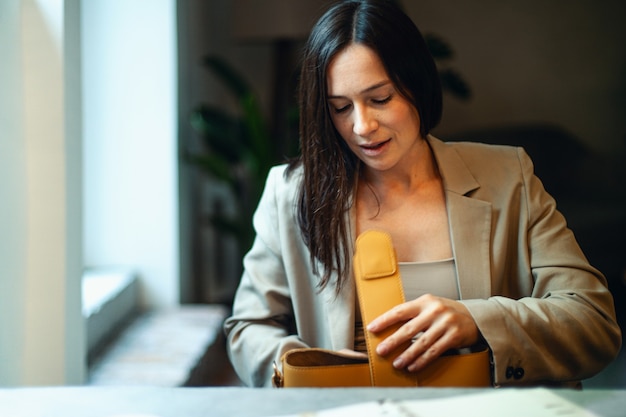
(469, 219)
(457, 177)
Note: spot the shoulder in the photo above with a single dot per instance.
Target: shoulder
(282, 188)
(491, 169)
(284, 180)
(486, 153)
(482, 158)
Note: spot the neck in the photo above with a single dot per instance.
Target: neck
(418, 169)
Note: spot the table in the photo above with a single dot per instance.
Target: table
(238, 401)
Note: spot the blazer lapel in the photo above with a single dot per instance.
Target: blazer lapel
(470, 222)
(340, 315)
(341, 307)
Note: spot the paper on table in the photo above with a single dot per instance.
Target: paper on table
(535, 402)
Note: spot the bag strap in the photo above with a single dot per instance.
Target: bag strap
(379, 288)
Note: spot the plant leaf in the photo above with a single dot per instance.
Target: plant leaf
(213, 165)
(257, 138)
(438, 48)
(228, 225)
(452, 82)
(223, 134)
(227, 73)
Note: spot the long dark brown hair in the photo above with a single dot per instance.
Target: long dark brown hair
(329, 165)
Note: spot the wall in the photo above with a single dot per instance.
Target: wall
(41, 326)
(535, 61)
(13, 219)
(130, 164)
(130, 134)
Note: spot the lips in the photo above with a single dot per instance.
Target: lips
(374, 149)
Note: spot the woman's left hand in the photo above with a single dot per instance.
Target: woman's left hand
(439, 324)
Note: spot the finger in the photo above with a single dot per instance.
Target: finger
(429, 355)
(427, 346)
(445, 333)
(399, 313)
(407, 332)
(431, 309)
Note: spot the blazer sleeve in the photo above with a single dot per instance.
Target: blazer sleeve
(260, 328)
(565, 329)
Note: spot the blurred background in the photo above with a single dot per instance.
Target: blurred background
(135, 136)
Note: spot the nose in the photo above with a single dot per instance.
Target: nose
(364, 122)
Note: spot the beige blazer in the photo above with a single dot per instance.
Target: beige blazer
(544, 311)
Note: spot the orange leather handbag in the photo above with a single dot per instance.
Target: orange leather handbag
(379, 288)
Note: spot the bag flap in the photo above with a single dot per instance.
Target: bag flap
(378, 257)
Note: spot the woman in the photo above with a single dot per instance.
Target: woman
(484, 254)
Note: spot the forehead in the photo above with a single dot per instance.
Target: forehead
(353, 70)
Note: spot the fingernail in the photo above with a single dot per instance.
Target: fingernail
(381, 349)
(398, 363)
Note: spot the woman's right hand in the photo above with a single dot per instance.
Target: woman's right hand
(435, 324)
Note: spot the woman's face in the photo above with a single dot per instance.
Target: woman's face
(379, 125)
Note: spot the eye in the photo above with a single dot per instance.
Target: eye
(340, 109)
(382, 101)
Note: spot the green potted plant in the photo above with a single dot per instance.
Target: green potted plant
(237, 149)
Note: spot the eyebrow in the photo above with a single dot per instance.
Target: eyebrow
(367, 90)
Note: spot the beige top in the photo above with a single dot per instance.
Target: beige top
(437, 278)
